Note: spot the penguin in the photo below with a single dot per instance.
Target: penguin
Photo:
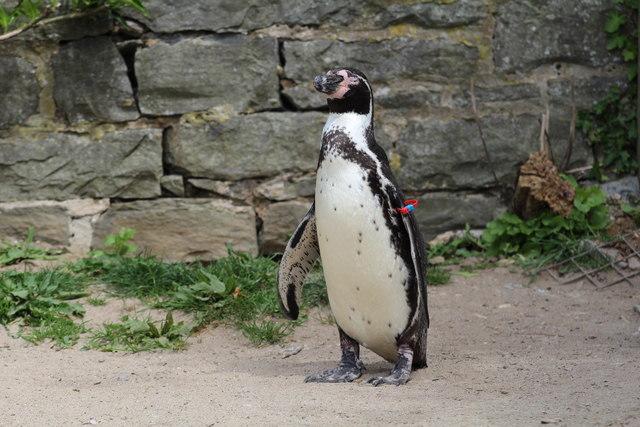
(368, 241)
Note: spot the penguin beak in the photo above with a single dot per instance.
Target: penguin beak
(327, 83)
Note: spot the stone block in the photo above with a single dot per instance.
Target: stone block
(434, 153)
(442, 211)
(167, 16)
(248, 146)
(182, 229)
(530, 33)
(125, 163)
(192, 74)
(19, 89)
(91, 82)
(433, 14)
(50, 222)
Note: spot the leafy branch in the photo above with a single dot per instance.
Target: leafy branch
(610, 126)
(29, 13)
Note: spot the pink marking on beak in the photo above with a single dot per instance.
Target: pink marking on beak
(343, 88)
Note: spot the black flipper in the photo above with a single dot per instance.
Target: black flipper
(301, 253)
(415, 333)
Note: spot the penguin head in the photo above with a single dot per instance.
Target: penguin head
(347, 90)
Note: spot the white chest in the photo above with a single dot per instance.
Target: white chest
(365, 278)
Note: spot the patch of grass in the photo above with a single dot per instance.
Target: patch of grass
(239, 289)
(265, 331)
(250, 285)
(62, 331)
(134, 335)
(14, 253)
(145, 277)
(96, 302)
(437, 276)
(38, 296)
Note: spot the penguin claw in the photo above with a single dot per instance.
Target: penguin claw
(391, 380)
(341, 374)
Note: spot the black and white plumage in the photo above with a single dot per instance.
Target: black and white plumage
(373, 256)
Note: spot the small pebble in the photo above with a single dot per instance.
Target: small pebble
(291, 351)
(634, 263)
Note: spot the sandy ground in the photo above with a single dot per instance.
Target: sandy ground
(502, 352)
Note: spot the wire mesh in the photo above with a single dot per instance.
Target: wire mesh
(603, 265)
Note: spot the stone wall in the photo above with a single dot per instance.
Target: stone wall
(198, 125)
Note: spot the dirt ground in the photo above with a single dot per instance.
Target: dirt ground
(502, 352)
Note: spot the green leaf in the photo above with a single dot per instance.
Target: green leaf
(153, 330)
(617, 41)
(614, 22)
(21, 293)
(628, 55)
(599, 219)
(215, 284)
(6, 19)
(168, 323)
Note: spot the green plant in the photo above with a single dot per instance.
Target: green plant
(11, 254)
(63, 331)
(548, 236)
(29, 12)
(119, 244)
(37, 297)
(265, 331)
(135, 335)
(207, 292)
(610, 126)
(237, 289)
(116, 247)
(437, 276)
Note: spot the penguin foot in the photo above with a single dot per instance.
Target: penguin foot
(342, 374)
(393, 379)
(401, 371)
